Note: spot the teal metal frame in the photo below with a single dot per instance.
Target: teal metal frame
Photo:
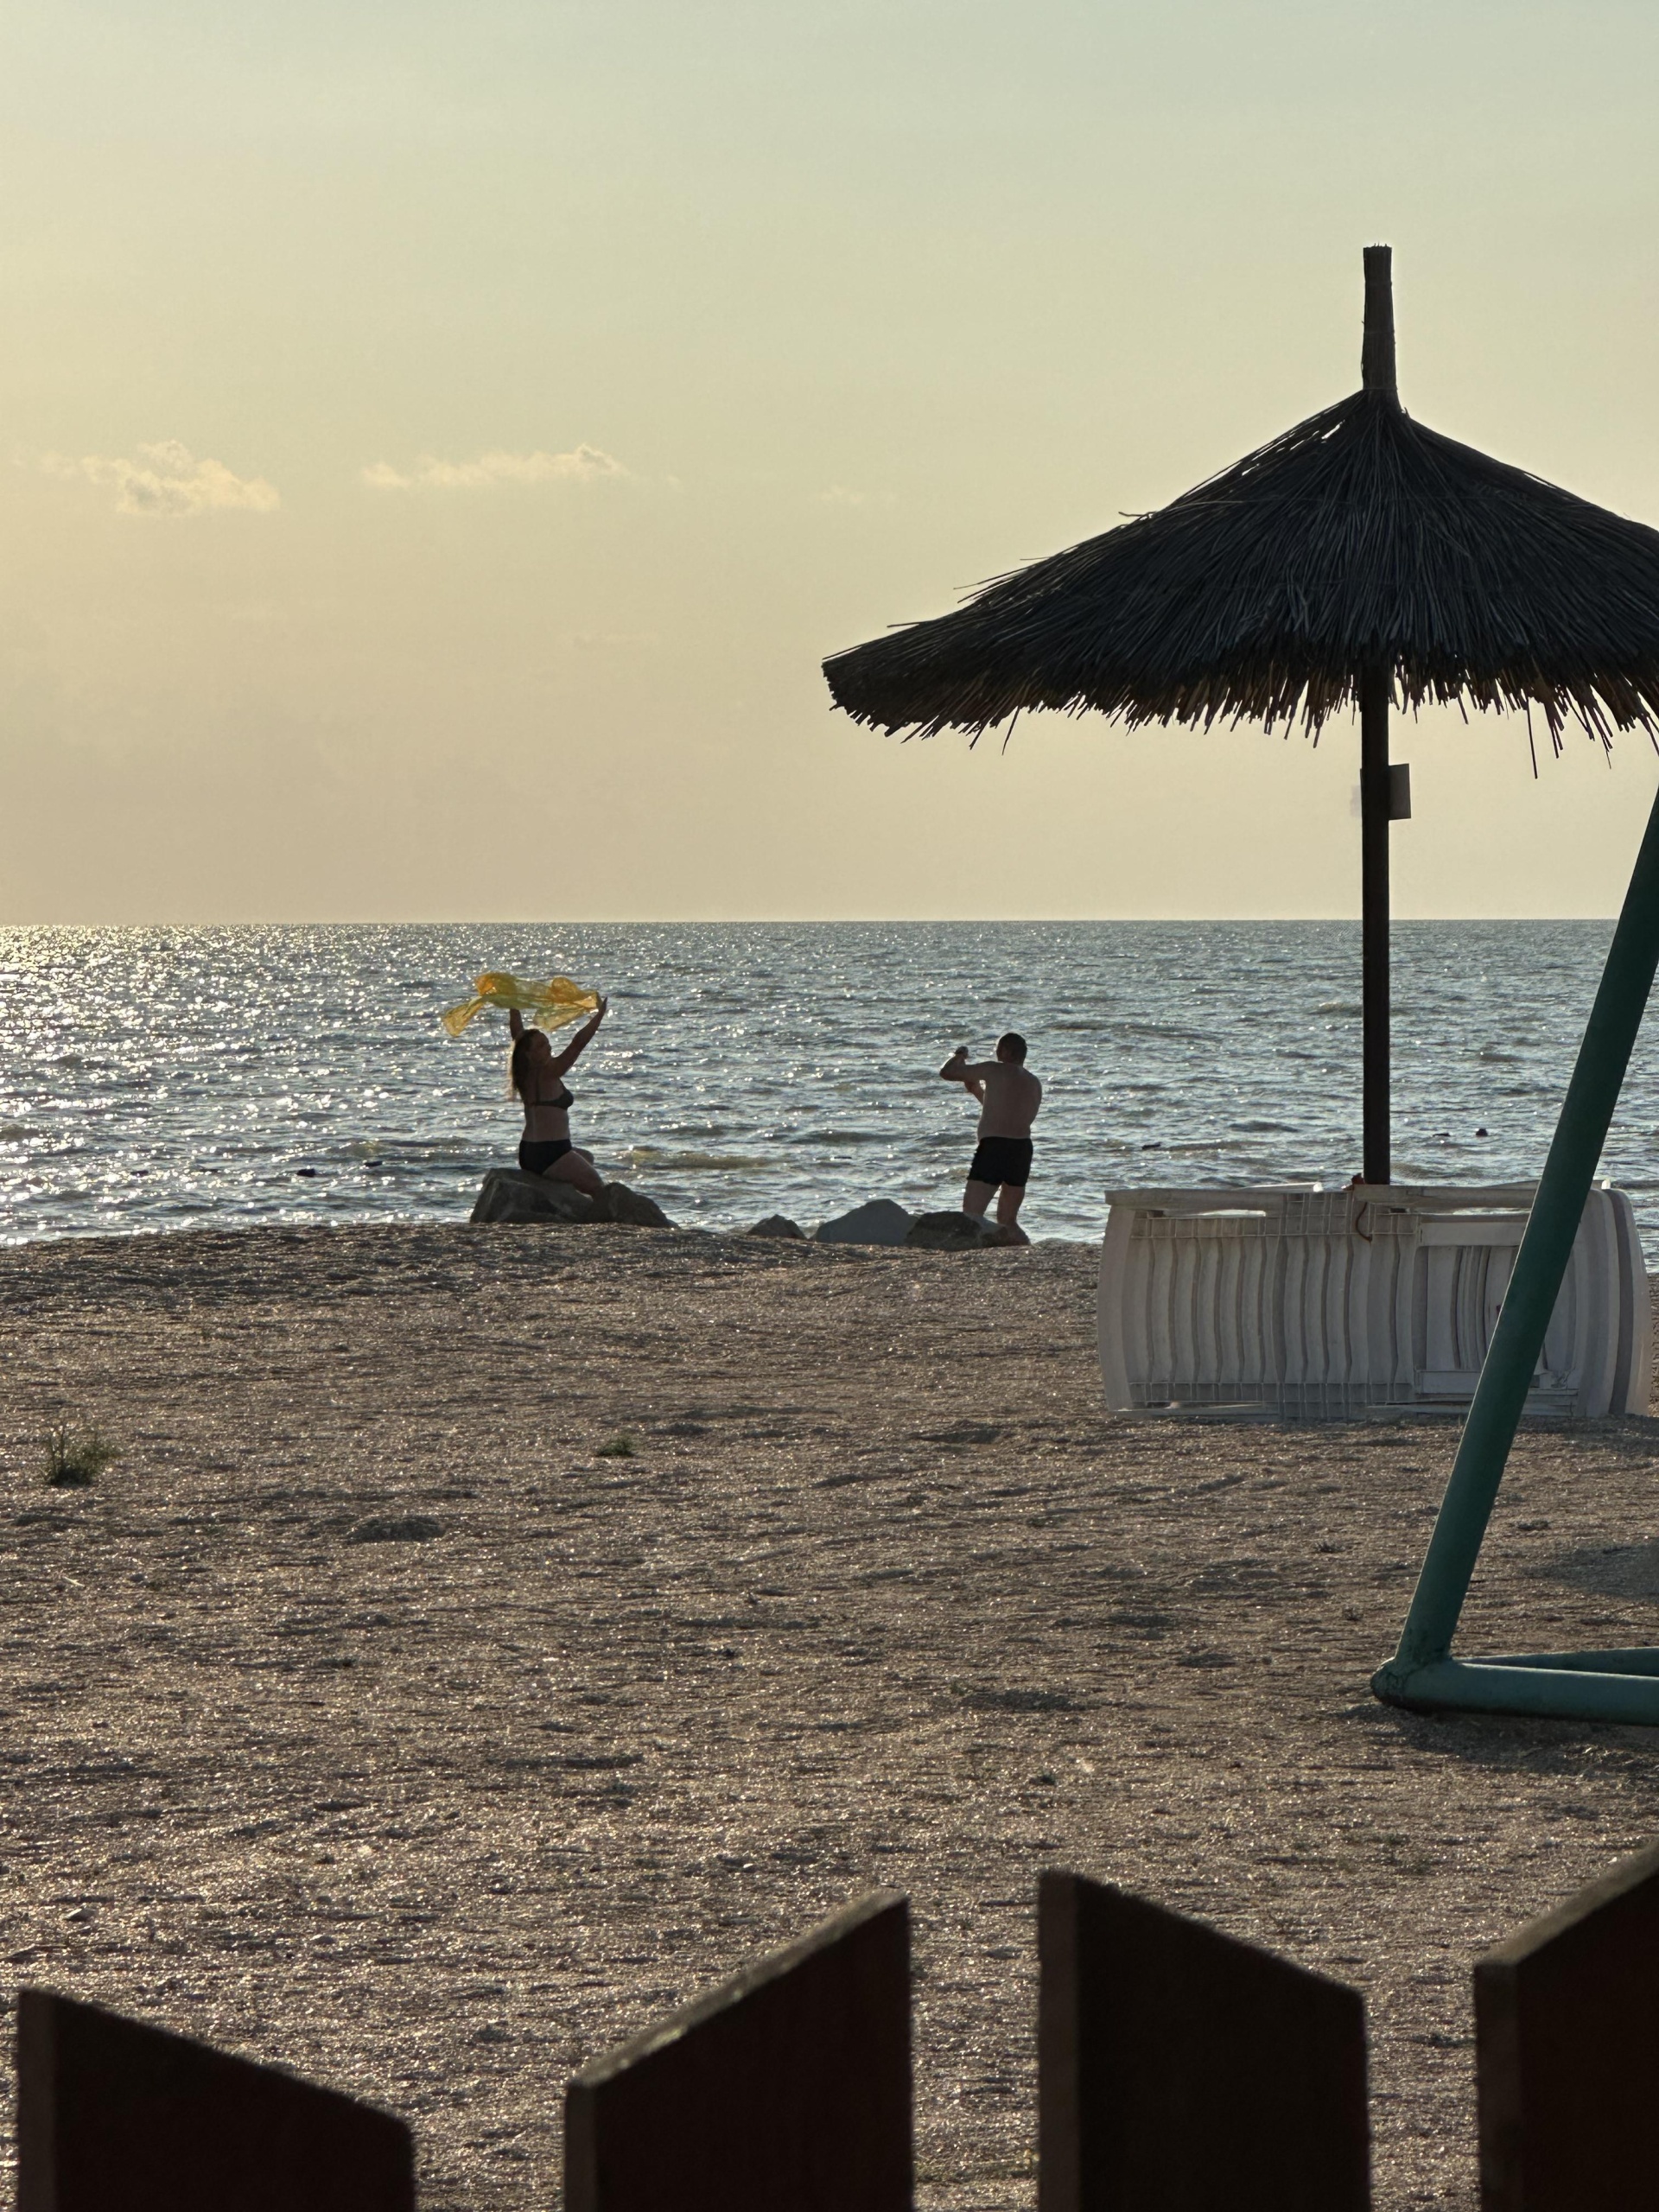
(1564, 1685)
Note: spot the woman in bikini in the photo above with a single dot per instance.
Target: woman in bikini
(538, 1074)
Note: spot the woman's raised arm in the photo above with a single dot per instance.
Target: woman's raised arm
(579, 1044)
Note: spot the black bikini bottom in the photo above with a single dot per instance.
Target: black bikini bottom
(536, 1159)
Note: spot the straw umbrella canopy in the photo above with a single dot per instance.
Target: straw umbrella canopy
(1358, 560)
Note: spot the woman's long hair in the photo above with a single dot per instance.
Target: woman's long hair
(519, 1065)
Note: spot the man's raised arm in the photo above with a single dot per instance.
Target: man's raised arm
(970, 1074)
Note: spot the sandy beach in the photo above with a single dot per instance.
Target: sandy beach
(881, 1597)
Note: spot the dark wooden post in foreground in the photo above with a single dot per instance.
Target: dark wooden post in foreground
(1567, 2017)
(1181, 2071)
(113, 2116)
(1376, 785)
(788, 2087)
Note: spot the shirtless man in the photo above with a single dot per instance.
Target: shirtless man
(1009, 1095)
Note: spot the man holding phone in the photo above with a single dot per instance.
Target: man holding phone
(1009, 1095)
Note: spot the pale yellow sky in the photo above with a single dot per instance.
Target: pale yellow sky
(441, 443)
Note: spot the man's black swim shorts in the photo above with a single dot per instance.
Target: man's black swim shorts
(1002, 1159)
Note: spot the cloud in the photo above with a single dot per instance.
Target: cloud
(168, 480)
(582, 466)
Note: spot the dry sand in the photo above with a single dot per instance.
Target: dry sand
(883, 1597)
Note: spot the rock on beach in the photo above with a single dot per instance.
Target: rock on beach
(509, 1194)
(617, 1203)
(950, 1232)
(881, 1221)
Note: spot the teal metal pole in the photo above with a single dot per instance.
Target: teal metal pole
(1556, 1693)
(1512, 1355)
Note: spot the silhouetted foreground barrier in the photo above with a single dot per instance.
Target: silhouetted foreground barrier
(1177, 2066)
(113, 2116)
(789, 2086)
(1566, 2026)
(1179, 2070)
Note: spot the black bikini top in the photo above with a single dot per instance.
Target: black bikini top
(560, 1104)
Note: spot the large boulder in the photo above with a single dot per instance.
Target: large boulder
(950, 1232)
(879, 1222)
(776, 1224)
(508, 1194)
(616, 1202)
(511, 1195)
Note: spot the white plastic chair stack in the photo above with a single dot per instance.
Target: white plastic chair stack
(1296, 1301)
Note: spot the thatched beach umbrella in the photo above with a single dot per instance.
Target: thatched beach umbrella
(1359, 560)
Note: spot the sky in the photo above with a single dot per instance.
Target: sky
(442, 443)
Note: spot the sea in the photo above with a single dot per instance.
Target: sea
(161, 1079)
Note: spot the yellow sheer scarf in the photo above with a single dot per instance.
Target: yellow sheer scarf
(548, 1005)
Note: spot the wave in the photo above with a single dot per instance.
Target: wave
(651, 1155)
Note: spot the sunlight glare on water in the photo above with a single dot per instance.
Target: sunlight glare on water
(163, 1078)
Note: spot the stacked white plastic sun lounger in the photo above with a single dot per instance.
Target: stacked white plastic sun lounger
(1294, 1300)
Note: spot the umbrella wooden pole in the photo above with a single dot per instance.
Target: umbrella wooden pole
(1376, 368)
(1377, 364)
(1374, 925)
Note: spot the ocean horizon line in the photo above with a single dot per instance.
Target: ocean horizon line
(810, 921)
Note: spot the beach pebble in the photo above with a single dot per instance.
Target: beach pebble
(397, 1529)
(776, 1224)
(878, 1222)
(950, 1232)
